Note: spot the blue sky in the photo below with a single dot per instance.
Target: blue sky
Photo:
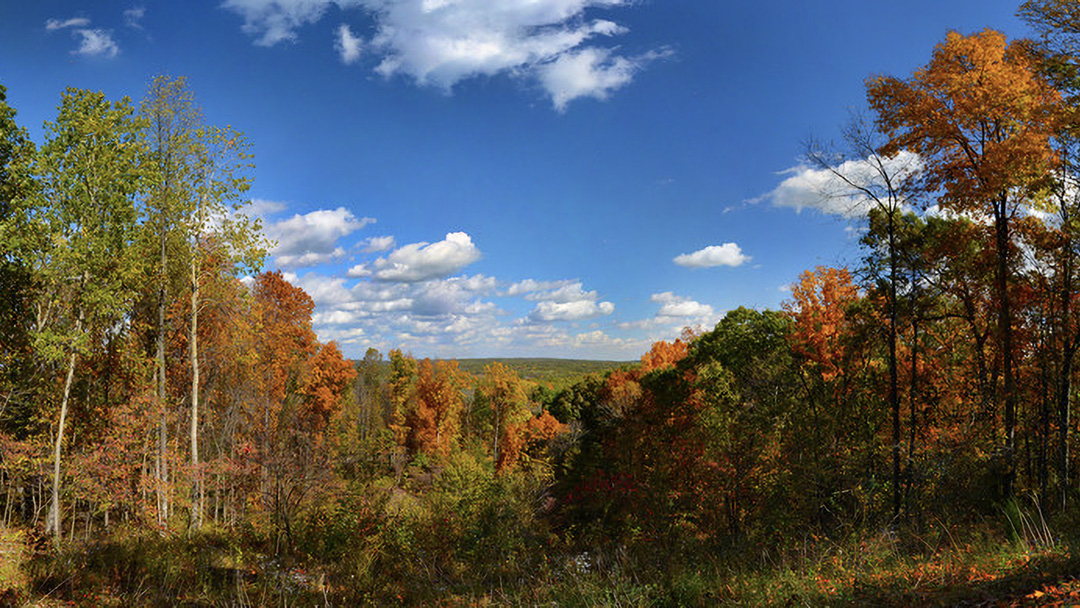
(458, 178)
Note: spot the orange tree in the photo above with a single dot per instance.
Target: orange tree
(981, 116)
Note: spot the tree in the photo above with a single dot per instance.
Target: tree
(367, 393)
(328, 375)
(16, 186)
(218, 225)
(434, 417)
(172, 121)
(505, 397)
(981, 118)
(866, 179)
(1058, 24)
(84, 221)
(198, 174)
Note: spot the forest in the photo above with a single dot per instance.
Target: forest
(900, 432)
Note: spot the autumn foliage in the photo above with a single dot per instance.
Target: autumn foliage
(922, 392)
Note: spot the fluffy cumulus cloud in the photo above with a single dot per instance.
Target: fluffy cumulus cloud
(312, 238)
(590, 72)
(376, 244)
(728, 254)
(96, 43)
(577, 310)
(839, 190)
(442, 42)
(422, 261)
(561, 301)
(415, 297)
(93, 42)
(677, 307)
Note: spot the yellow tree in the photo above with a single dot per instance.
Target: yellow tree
(981, 117)
(501, 387)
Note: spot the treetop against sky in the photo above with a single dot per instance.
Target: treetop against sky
(571, 178)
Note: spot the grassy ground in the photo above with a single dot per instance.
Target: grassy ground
(939, 567)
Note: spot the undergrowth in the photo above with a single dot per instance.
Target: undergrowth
(420, 557)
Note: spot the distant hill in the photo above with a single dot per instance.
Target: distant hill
(558, 373)
(545, 371)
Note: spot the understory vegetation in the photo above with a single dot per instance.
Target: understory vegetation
(901, 432)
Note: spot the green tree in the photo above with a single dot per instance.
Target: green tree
(198, 175)
(172, 120)
(16, 186)
(83, 222)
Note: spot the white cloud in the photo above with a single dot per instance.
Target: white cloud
(590, 72)
(675, 306)
(442, 42)
(458, 294)
(567, 291)
(359, 271)
(92, 42)
(97, 43)
(529, 286)
(348, 45)
(311, 238)
(376, 244)
(263, 208)
(824, 190)
(275, 21)
(52, 25)
(728, 254)
(559, 300)
(578, 310)
(423, 261)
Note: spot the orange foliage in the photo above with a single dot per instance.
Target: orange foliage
(979, 114)
(286, 339)
(434, 420)
(663, 355)
(328, 377)
(520, 437)
(505, 395)
(819, 307)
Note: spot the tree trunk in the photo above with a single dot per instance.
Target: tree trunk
(1005, 329)
(1068, 351)
(196, 494)
(52, 523)
(894, 394)
(163, 444)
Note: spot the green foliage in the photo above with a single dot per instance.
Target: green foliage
(14, 554)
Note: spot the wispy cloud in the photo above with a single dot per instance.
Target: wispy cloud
(52, 25)
(133, 17)
(93, 42)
